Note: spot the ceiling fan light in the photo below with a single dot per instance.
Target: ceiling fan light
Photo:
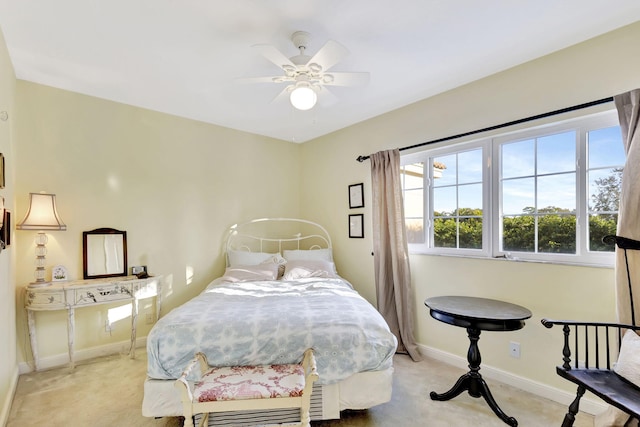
(303, 98)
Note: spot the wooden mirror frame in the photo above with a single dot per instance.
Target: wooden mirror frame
(86, 255)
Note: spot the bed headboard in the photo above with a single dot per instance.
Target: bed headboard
(277, 234)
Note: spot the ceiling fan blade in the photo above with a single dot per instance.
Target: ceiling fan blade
(282, 96)
(265, 79)
(347, 79)
(326, 98)
(329, 55)
(273, 55)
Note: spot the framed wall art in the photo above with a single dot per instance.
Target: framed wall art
(356, 226)
(5, 231)
(356, 196)
(1, 170)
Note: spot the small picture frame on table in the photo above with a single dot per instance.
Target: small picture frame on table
(356, 196)
(59, 273)
(356, 226)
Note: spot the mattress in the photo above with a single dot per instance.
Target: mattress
(274, 322)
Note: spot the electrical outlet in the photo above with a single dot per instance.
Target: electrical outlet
(514, 349)
(149, 318)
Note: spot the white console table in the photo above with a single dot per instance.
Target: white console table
(69, 295)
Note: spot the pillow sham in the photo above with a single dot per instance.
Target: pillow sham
(243, 273)
(309, 254)
(252, 258)
(300, 269)
(628, 364)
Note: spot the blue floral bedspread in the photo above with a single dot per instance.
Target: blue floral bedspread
(274, 322)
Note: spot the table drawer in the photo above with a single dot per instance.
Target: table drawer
(100, 294)
(43, 300)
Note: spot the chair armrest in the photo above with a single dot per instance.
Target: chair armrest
(592, 345)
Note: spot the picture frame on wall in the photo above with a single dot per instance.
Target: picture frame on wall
(356, 196)
(5, 231)
(356, 226)
(1, 170)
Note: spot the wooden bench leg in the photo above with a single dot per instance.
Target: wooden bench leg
(573, 408)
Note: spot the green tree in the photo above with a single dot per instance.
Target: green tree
(607, 196)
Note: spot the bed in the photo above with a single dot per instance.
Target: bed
(280, 294)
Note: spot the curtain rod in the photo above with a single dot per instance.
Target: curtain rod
(503, 125)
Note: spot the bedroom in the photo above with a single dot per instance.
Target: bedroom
(76, 145)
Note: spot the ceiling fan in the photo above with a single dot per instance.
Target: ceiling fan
(307, 75)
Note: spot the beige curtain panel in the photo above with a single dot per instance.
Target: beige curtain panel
(628, 106)
(391, 254)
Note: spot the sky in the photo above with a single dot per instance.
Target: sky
(552, 158)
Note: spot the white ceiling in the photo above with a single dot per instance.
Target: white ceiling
(182, 56)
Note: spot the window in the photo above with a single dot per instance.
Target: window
(548, 193)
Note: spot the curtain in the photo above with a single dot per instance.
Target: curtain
(628, 106)
(391, 254)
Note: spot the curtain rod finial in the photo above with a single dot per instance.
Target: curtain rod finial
(362, 158)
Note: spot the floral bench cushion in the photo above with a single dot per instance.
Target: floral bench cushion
(250, 382)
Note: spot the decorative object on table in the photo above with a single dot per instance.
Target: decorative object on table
(356, 226)
(104, 253)
(41, 216)
(59, 273)
(356, 196)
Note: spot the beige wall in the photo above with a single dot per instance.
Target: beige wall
(8, 366)
(592, 70)
(174, 185)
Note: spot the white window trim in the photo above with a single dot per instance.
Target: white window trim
(491, 199)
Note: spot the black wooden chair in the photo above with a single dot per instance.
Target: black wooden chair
(593, 347)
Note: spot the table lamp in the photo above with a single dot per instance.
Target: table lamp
(42, 216)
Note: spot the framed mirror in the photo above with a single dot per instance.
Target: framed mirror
(104, 253)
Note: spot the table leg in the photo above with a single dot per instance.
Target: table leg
(32, 338)
(134, 323)
(71, 328)
(473, 382)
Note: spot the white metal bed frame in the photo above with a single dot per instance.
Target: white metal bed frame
(360, 391)
(240, 238)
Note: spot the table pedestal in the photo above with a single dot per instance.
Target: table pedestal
(473, 382)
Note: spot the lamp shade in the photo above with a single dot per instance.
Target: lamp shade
(303, 98)
(42, 214)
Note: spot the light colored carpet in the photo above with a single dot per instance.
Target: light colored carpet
(108, 392)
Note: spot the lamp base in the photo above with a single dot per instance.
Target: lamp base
(38, 284)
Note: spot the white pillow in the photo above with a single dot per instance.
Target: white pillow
(243, 273)
(311, 254)
(252, 258)
(300, 269)
(628, 364)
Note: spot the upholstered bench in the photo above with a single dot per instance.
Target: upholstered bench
(239, 388)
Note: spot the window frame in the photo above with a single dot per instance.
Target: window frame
(491, 197)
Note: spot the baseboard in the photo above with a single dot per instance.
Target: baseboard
(59, 360)
(587, 405)
(8, 399)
